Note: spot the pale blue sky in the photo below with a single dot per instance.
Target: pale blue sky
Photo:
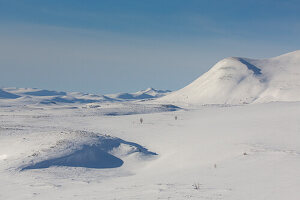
(112, 46)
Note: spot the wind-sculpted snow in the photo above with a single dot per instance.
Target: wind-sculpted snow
(242, 81)
(88, 156)
(99, 154)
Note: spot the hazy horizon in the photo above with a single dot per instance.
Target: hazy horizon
(116, 46)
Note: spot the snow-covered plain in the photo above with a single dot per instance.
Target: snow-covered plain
(56, 145)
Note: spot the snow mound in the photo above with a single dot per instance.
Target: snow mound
(241, 81)
(106, 152)
(88, 156)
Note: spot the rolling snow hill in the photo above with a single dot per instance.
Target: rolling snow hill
(242, 81)
(149, 93)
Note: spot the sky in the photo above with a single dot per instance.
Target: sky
(110, 46)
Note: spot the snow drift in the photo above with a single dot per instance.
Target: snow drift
(88, 156)
(105, 152)
(242, 80)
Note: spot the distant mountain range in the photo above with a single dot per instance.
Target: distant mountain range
(54, 97)
(232, 80)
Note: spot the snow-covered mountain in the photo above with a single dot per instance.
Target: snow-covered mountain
(241, 80)
(149, 93)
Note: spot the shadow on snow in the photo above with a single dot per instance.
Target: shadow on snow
(94, 156)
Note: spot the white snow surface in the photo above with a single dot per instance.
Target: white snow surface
(226, 152)
(57, 145)
(242, 81)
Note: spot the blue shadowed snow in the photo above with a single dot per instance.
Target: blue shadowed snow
(250, 66)
(88, 156)
(67, 100)
(130, 96)
(45, 93)
(94, 156)
(7, 95)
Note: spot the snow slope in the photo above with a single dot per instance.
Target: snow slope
(45, 93)
(7, 95)
(241, 81)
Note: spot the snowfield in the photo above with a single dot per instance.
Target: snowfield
(50, 153)
(232, 134)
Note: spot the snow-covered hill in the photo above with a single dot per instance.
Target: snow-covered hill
(241, 80)
(149, 93)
